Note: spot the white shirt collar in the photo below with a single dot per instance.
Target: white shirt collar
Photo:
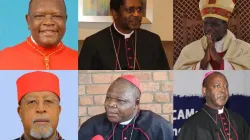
(219, 45)
(126, 122)
(33, 40)
(220, 111)
(126, 35)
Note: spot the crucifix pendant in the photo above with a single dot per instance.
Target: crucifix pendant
(46, 61)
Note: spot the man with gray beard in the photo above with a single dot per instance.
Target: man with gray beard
(39, 108)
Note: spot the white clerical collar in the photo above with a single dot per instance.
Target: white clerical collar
(126, 122)
(125, 35)
(220, 111)
(219, 45)
(33, 40)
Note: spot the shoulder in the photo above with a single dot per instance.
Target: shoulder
(14, 48)
(99, 35)
(94, 120)
(151, 118)
(195, 119)
(242, 43)
(236, 116)
(10, 52)
(71, 51)
(193, 45)
(148, 34)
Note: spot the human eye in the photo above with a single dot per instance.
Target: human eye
(49, 101)
(130, 9)
(57, 16)
(140, 9)
(31, 102)
(108, 98)
(217, 86)
(121, 101)
(39, 16)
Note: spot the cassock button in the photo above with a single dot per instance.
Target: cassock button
(125, 138)
(129, 57)
(129, 49)
(223, 118)
(131, 67)
(228, 134)
(226, 129)
(225, 123)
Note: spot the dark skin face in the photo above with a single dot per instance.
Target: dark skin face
(216, 90)
(47, 22)
(215, 27)
(129, 17)
(121, 103)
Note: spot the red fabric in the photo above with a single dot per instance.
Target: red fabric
(24, 57)
(211, 1)
(132, 79)
(216, 10)
(37, 81)
(217, 66)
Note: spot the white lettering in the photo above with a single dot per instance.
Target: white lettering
(176, 131)
(181, 114)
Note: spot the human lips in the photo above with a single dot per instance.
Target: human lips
(41, 121)
(221, 97)
(48, 31)
(111, 114)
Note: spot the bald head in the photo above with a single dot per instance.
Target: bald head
(58, 1)
(211, 76)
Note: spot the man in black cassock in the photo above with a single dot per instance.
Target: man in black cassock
(123, 45)
(123, 120)
(214, 121)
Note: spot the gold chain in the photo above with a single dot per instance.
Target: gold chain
(46, 58)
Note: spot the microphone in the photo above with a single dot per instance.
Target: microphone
(97, 137)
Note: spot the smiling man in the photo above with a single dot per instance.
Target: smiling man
(123, 119)
(214, 121)
(44, 49)
(218, 49)
(123, 45)
(39, 109)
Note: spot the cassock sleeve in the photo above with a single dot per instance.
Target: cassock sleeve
(166, 132)
(186, 133)
(86, 131)
(162, 62)
(87, 57)
(246, 130)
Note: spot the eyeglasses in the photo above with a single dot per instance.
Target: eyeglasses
(132, 10)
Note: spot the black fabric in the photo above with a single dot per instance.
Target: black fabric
(98, 53)
(201, 127)
(151, 124)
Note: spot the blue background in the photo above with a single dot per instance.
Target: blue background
(68, 121)
(14, 28)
